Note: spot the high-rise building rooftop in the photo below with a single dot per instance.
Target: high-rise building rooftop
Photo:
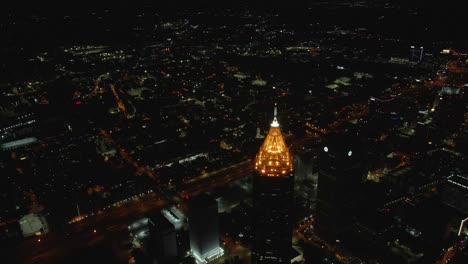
(273, 158)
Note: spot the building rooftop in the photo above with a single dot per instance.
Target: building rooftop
(18, 143)
(459, 181)
(273, 158)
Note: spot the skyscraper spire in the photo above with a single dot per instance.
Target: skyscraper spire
(273, 158)
(275, 121)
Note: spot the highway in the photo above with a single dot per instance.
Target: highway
(102, 236)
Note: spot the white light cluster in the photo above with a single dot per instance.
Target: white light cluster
(350, 153)
(212, 255)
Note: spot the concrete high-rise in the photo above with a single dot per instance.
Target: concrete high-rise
(273, 200)
(204, 228)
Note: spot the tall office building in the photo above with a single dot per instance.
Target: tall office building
(449, 108)
(416, 53)
(203, 228)
(341, 172)
(162, 244)
(273, 200)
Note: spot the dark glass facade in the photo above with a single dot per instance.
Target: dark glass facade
(272, 219)
(341, 172)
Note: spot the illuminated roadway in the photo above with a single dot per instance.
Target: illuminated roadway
(107, 243)
(103, 235)
(314, 241)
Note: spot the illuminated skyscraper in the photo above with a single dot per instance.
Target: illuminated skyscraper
(273, 200)
(204, 232)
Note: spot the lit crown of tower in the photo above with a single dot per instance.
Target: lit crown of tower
(273, 158)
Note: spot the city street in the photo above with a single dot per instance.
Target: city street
(104, 235)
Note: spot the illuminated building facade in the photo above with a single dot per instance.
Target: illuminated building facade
(33, 224)
(273, 200)
(204, 229)
(341, 172)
